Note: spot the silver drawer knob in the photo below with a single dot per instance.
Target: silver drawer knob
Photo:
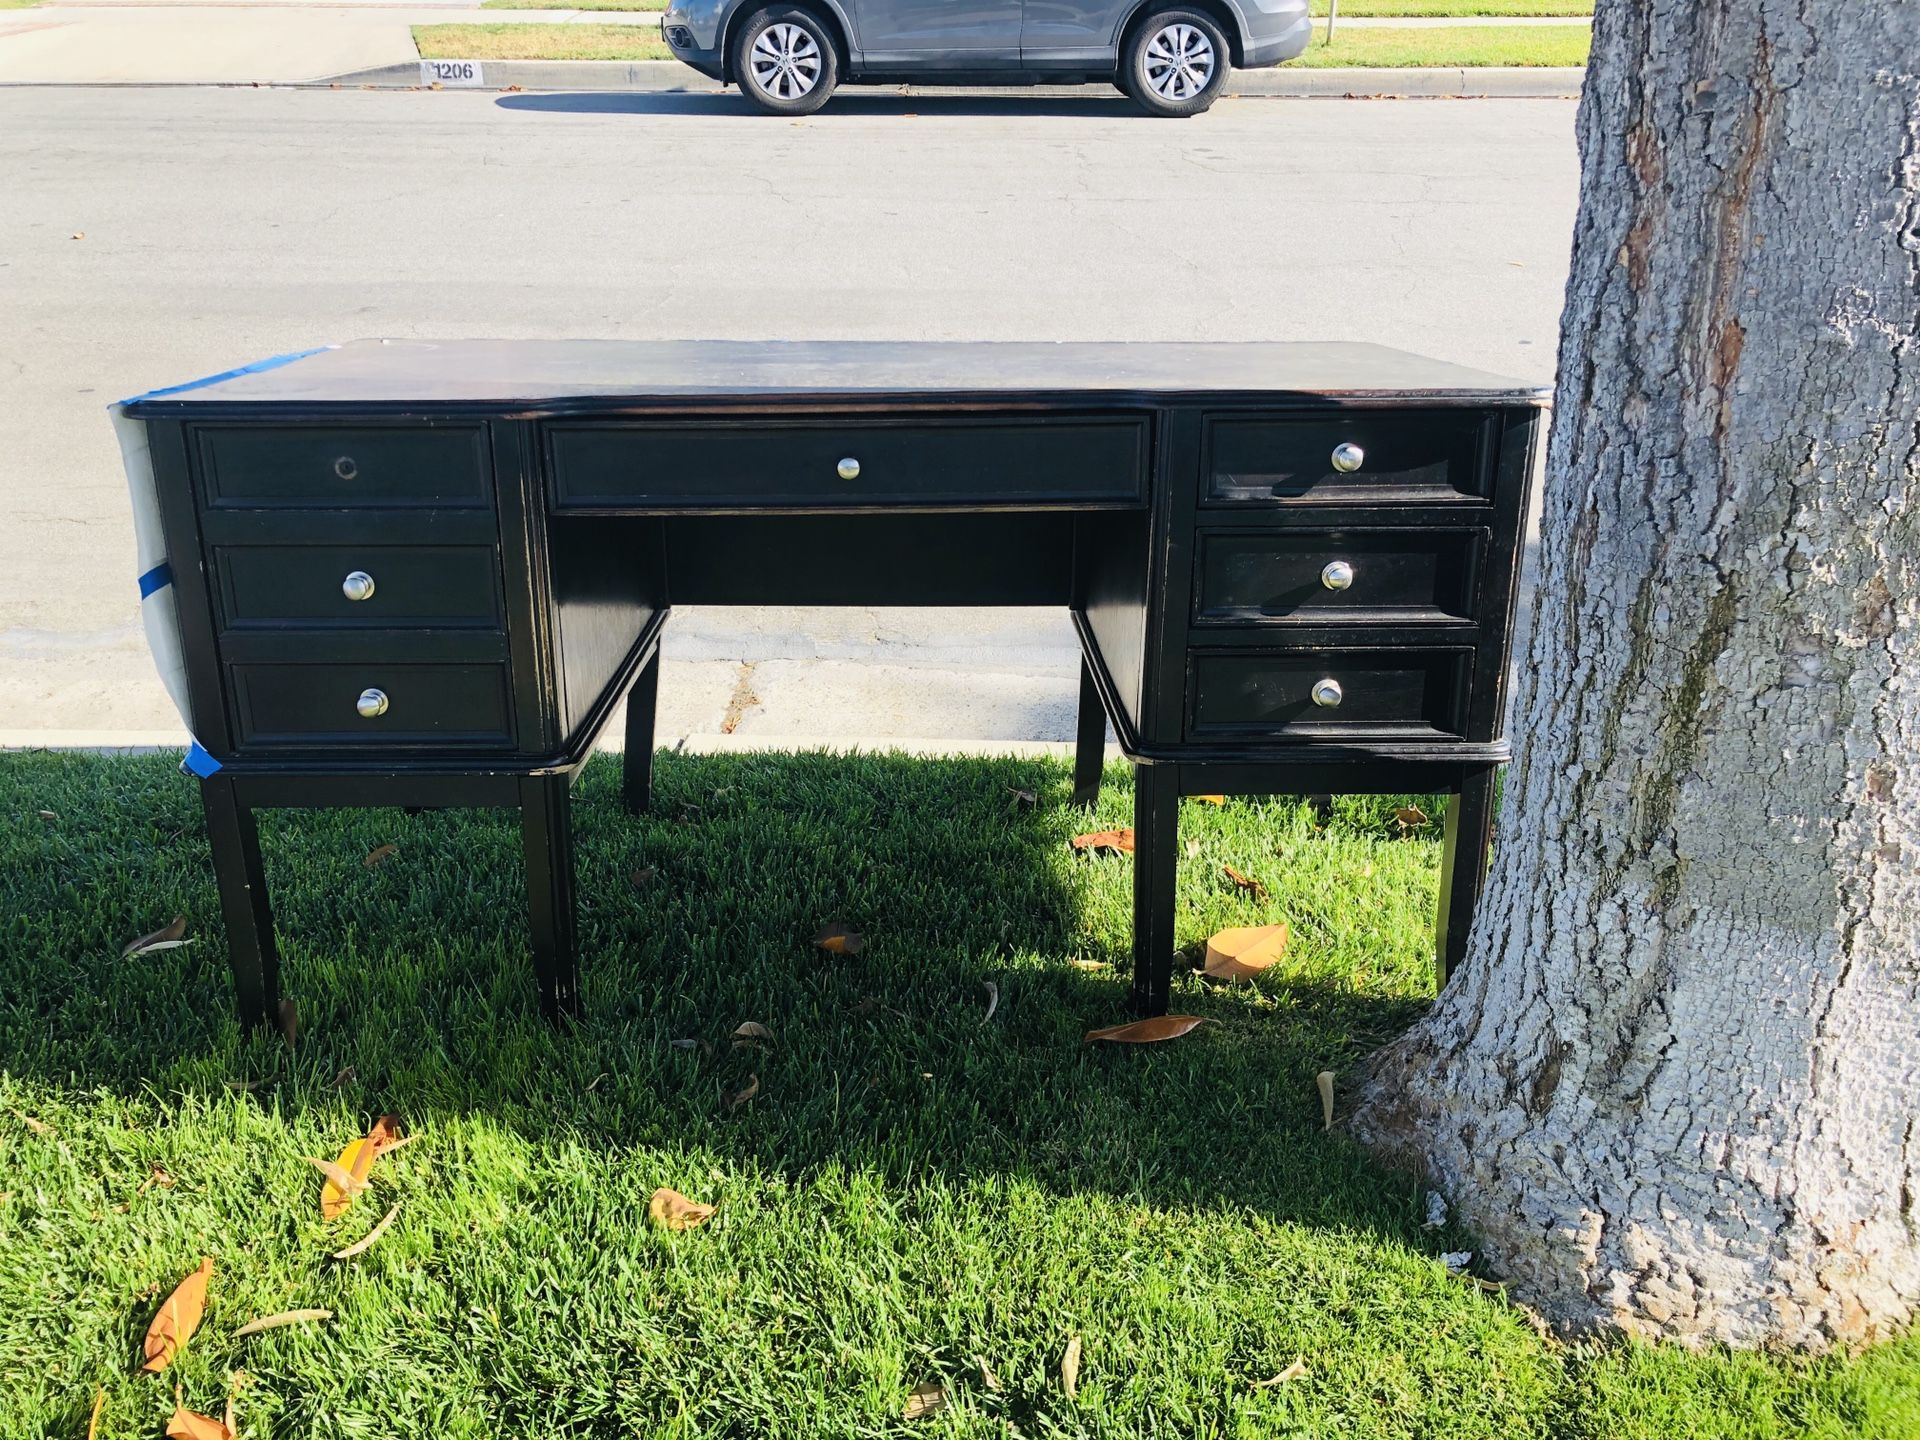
(357, 586)
(1336, 575)
(372, 703)
(1327, 693)
(1348, 457)
(345, 467)
(849, 469)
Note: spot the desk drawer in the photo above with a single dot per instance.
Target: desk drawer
(1336, 576)
(357, 465)
(1406, 693)
(453, 707)
(1352, 457)
(380, 586)
(849, 464)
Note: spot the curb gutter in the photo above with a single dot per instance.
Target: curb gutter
(670, 77)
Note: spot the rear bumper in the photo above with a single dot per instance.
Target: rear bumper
(692, 30)
(1277, 33)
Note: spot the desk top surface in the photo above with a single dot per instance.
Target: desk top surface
(536, 373)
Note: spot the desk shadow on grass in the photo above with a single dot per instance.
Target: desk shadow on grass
(414, 982)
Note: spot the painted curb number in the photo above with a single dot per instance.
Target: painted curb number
(451, 72)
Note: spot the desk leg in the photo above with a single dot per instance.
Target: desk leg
(1156, 859)
(1090, 740)
(546, 837)
(636, 784)
(243, 901)
(1463, 868)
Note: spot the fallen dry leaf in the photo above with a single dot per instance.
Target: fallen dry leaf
(1412, 817)
(361, 1245)
(642, 877)
(987, 1377)
(178, 1317)
(744, 1094)
(1193, 849)
(345, 1078)
(1080, 964)
(1244, 951)
(379, 855)
(1070, 1368)
(99, 1404)
(671, 1210)
(1247, 882)
(926, 1399)
(993, 1000)
(1025, 799)
(1121, 840)
(347, 1176)
(1292, 1372)
(38, 1127)
(1498, 1287)
(751, 1032)
(192, 1425)
(289, 1020)
(158, 1176)
(165, 938)
(1146, 1032)
(687, 1044)
(838, 939)
(1324, 1080)
(285, 1317)
(1211, 799)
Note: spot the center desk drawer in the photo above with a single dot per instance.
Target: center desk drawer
(852, 463)
(371, 704)
(1327, 693)
(385, 586)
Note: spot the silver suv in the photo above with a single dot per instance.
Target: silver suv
(1171, 56)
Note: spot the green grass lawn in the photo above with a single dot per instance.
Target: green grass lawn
(1447, 45)
(915, 1192)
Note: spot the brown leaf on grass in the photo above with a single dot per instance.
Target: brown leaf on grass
(993, 1000)
(1146, 1032)
(1248, 883)
(751, 1032)
(178, 1317)
(642, 877)
(38, 1127)
(1193, 849)
(1096, 840)
(929, 1398)
(345, 1078)
(1211, 799)
(1070, 1368)
(245, 1087)
(1083, 964)
(360, 1246)
(838, 939)
(165, 938)
(379, 856)
(347, 1176)
(987, 1377)
(1324, 1083)
(285, 1317)
(671, 1210)
(289, 1020)
(192, 1425)
(93, 1420)
(1412, 817)
(744, 1094)
(1244, 951)
(158, 1176)
(1025, 799)
(48, 814)
(1292, 1372)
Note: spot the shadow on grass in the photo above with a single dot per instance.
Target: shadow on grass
(416, 993)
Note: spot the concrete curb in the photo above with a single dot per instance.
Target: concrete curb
(670, 77)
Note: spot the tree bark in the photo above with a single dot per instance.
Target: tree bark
(1676, 1083)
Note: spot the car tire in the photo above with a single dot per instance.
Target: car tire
(1175, 62)
(785, 61)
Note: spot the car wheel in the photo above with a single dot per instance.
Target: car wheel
(785, 62)
(1175, 62)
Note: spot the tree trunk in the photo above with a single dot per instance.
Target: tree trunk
(1675, 1086)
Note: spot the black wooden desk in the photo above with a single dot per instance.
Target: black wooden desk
(425, 574)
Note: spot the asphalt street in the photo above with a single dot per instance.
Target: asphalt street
(148, 236)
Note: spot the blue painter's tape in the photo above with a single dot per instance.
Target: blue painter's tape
(158, 578)
(199, 762)
(271, 363)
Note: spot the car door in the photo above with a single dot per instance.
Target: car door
(910, 35)
(1065, 34)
